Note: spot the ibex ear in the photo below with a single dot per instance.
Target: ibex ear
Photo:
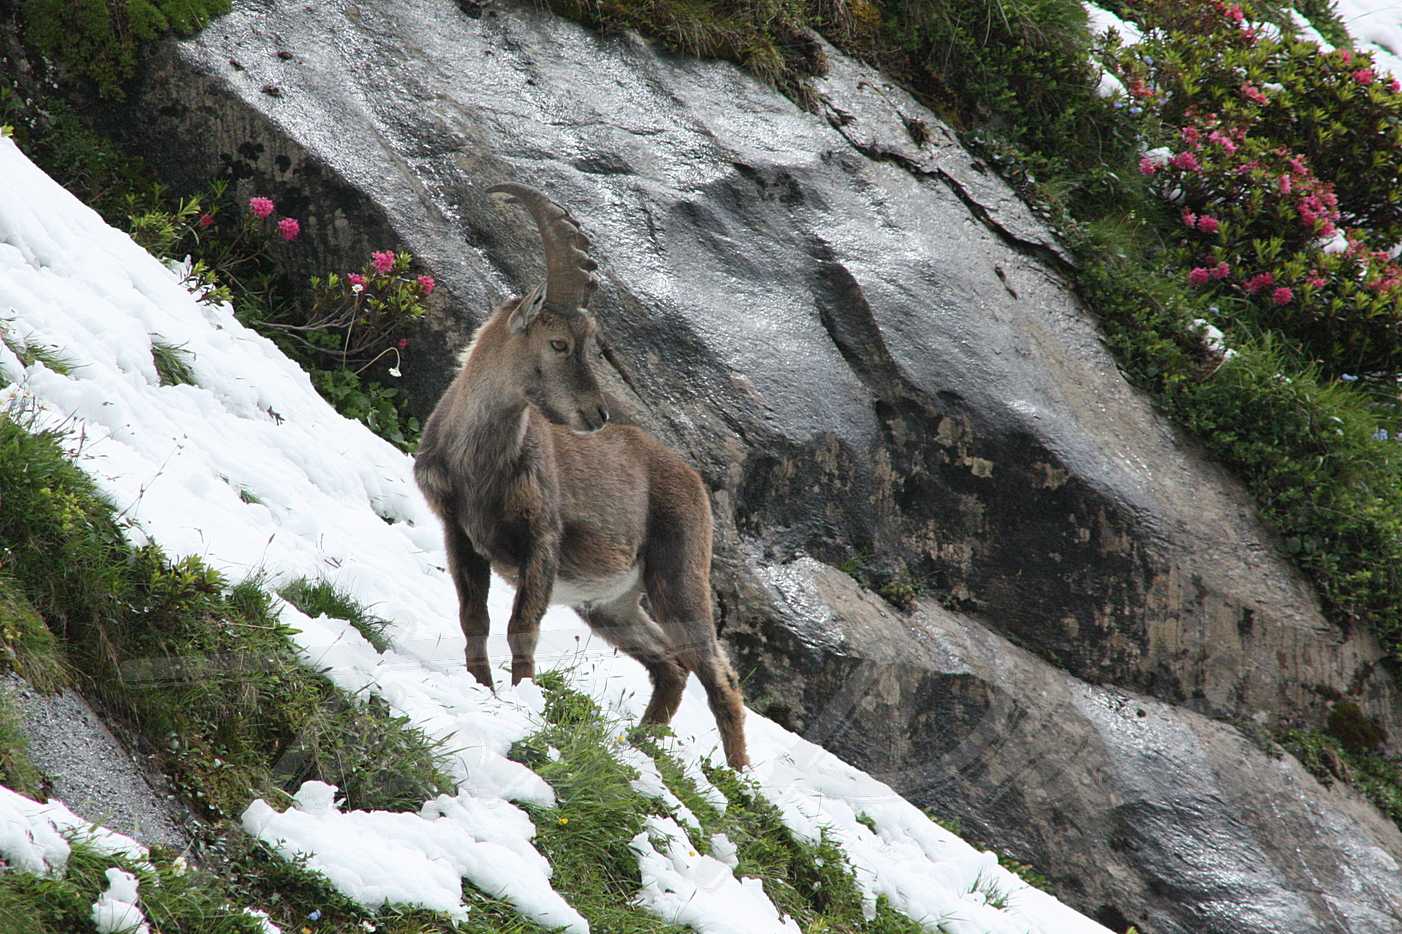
(528, 309)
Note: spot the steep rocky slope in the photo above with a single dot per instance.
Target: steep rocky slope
(868, 347)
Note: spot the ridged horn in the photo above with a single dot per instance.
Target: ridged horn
(570, 279)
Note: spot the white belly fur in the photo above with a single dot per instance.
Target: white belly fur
(607, 590)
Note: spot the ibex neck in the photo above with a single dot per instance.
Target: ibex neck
(496, 419)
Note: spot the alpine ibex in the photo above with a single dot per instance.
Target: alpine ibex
(517, 462)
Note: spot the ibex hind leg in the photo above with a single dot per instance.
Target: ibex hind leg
(625, 624)
(681, 598)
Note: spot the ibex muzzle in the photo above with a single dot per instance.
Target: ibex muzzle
(517, 462)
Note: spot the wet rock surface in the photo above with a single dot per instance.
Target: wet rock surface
(867, 346)
(1172, 821)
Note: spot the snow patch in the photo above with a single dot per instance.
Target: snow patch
(35, 837)
(417, 859)
(115, 911)
(684, 887)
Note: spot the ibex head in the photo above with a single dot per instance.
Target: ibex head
(551, 333)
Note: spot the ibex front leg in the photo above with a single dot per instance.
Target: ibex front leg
(472, 576)
(533, 589)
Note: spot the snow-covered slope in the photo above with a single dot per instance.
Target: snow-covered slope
(177, 458)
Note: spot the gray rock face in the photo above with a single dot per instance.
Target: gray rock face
(1175, 822)
(867, 347)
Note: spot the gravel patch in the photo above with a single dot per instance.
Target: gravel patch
(91, 771)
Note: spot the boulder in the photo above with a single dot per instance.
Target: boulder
(867, 344)
(1143, 812)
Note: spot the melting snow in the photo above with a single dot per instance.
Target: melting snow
(176, 459)
(115, 911)
(34, 837)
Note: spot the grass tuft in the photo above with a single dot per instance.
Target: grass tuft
(1377, 776)
(30, 649)
(315, 598)
(172, 364)
(32, 353)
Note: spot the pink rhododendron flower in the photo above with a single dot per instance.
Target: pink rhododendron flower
(1190, 135)
(261, 207)
(1319, 282)
(1189, 218)
(1258, 282)
(355, 278)
(1208, 224)
(1221, 270)
(1394, 86)
(1235, 14)
(383, 261)
(426, 283)
(1297, 165)
(1147, 166)
(1363, 76)
(206, 219)
(1198, 276)
(1282, 295)
(1185, 161)
(1284, 184)
(1223, 140)
(1252, 93)
(404, 343)
(1346, 55)
(289, 228)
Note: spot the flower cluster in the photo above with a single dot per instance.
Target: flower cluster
(355, 319)
(1280, 160)
(263, 208)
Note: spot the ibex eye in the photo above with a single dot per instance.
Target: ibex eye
(559, 346)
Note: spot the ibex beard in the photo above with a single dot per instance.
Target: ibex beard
(530, 480)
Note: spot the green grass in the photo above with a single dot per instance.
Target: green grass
(586, 836)
(30, 649)
(204, 671)
(172, 364)
(289, 891)
(172, 901)
(17, 773)
(1324, 17)
(317, 597)
(210, 899)
(31, 353)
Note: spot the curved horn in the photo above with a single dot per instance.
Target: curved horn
(570, 279)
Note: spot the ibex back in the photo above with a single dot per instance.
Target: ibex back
(518, 461)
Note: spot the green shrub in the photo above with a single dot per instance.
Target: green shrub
(1376, 776)
(99, 40)
(1279, 148)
